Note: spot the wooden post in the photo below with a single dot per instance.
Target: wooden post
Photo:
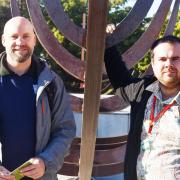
(97, 15)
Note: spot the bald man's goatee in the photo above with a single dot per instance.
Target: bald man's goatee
(21, 58)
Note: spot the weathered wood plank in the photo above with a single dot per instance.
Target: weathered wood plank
(97, 15)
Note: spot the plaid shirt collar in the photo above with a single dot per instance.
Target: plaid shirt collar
(155, 89)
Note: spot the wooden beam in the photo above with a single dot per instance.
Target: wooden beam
(97, 15)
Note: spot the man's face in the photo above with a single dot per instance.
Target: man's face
(19, 40)
(166, 64)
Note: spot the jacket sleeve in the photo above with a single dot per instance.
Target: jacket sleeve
(126, 86)
(63, 130)
(116, 69)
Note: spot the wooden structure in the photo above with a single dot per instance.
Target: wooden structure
(94, 41)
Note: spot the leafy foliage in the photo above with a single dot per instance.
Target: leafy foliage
(177, 27)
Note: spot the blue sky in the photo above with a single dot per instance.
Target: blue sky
(153, 9)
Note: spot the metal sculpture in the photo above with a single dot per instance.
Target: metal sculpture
(73, 65)
(94, 41)
(108, 157)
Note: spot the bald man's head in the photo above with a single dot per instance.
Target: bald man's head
(17, 21)
(19, 39)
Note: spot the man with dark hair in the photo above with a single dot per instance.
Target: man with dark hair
(31, 128)
(153, 146)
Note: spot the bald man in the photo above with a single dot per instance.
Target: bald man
(30, 129)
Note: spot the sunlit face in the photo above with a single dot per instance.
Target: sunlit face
(166, 64)
(19, 40)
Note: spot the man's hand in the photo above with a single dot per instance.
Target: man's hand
(5, 174)
(110, 28)
(35, 170)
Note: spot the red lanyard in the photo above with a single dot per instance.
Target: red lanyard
(159, 115)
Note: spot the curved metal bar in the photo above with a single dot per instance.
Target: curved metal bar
(138, 50)
(102, 156)
(130, 22)
(106, 162)
(102, 140)
(71, 169)
(103, 143)
(71, 64)
(113, 103)
(63, 22)
(67, 61)
(76, 103)
(172, 20)
(14, 8)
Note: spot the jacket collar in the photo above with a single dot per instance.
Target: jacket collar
(34, 70)
(155, 89)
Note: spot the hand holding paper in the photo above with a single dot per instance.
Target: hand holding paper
(17, 172)
(35, 170)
